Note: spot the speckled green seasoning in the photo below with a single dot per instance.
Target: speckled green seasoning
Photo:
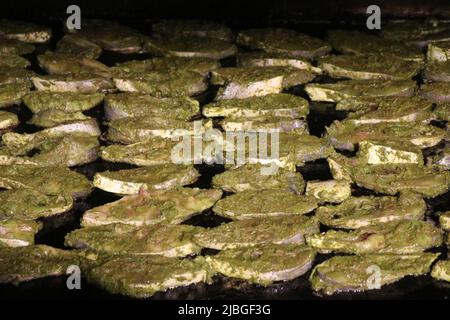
(369, 67)
(284, 41)
(252, 232)
(358, 212)
(29, 204)
(279, 124)
(402, 237)
(251, 204)
(264, 264)
(166, 240)
(15, 76)
(130, 181)
(17, 233)
(152, 207)
(48, 180)
(350, 273)
(123, 105)
(33, 262)
(442, 112)
(191, 47)
(251, 177)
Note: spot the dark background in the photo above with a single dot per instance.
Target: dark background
(288, 11)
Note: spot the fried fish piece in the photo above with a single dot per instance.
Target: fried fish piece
(276, 105)
(404, 237)
(387, 109)
(344, 135)
(366, 211)
(444, 220)
(280, 124)
(76, 45)
(441, 270)
(353, 273)
(438, 92)
(29, 204)
(279, 40)
(252, 177)
(12, 93)
(24, 31)
(245, 82)
(23, 264)
(130, 181)
(438, 51)
(195, 28)
(251, 204)
(201, 66)
(152, 207)
(190, 47)
(48, 180)
(333, 191)
(17, 233)
(131, 104)
(263, 59)
(143, 276)
(251, 232)
(264, 264)
(68, 102)
(175, 83)
(81, 83)
(52, 118)
(8, 121)
(369, 67)
(360, 43)
(12, 46)
(65, 63)
(9, 60)
(335, 92)
(140, 129)
(166, 240)
(112, 36)
(67, 151)
(391, 178)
